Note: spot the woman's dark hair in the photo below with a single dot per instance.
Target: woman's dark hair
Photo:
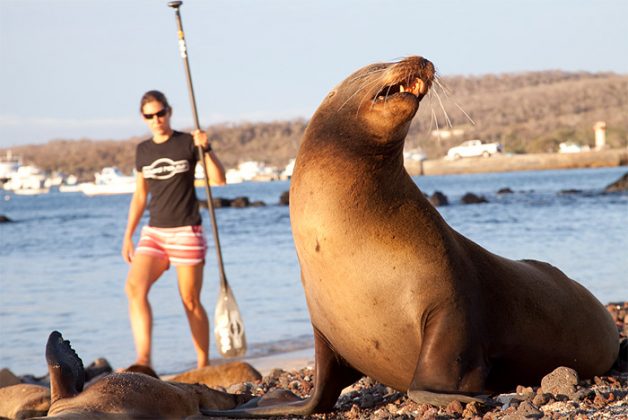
(154, 95)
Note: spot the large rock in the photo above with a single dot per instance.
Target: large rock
(24, 401)
(620, 185)
(470, 198)
(240, 202)
(438, 199)
(4, 219)
(284, 198)
(562, 381)
(220, 375)
(8, 378)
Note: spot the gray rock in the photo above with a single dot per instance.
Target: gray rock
(528, 410)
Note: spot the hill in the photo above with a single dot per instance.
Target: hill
(527, 112)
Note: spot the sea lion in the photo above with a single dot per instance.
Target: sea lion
(393, 291)
(22, 401)
(126, 394)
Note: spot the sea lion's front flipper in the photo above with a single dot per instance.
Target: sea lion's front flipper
(450, 366)
(332, 374)
(67, 375)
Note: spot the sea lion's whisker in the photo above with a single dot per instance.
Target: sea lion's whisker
(429, 95)
(370, 84)
(436, 121)
(443, 108)
(465, 114)
(444, 89)
(364, 85)
(442, 86)
(387, 93)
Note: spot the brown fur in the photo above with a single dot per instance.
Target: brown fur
(393, 291)
(220, 375)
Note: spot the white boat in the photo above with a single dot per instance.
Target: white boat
(27, 180)
(54, 180)
(109, 181)
(70, 184)
(8, 167)
(251, 171)
(287, 172)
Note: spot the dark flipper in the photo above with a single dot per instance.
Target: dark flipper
(67, 375)
(331, 375)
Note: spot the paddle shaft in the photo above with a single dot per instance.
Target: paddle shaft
(210, 205)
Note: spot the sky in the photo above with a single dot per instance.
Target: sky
(73, 69)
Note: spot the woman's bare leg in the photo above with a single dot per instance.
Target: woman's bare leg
(190, 284)
(144, 271)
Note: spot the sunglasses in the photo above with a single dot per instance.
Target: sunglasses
(159, 114)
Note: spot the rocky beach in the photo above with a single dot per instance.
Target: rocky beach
(561, 393)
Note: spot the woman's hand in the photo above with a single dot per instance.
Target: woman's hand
(128, 250)
(200, 139)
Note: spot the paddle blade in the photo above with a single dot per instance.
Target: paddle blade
(228, 325)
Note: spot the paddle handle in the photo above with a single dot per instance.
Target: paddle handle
(201, 152)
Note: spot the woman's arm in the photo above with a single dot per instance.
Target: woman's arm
(136, 210)
(215, 170)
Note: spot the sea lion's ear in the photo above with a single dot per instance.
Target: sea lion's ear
(331, 94)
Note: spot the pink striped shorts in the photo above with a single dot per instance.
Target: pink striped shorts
(183, 245)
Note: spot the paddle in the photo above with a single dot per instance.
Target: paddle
(228, 325)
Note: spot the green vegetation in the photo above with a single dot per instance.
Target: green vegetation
(527, 112)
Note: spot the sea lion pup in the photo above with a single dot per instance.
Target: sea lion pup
(393, 292)
(123, 395)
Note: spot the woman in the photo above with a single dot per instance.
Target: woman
(165, 168)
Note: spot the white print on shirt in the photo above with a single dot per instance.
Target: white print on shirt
(165, 168)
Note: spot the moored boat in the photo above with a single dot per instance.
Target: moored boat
(109, 181)
(9, 165)
(27, 180)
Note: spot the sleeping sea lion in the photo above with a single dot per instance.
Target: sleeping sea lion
(123, 395)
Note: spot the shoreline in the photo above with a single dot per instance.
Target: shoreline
(560, 394)
(293, 360)
(523, 162)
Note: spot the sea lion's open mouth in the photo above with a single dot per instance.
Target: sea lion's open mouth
(416, 87)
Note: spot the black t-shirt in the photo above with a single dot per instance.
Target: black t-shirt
(168, 168)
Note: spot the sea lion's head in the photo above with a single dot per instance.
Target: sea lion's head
(378, 101)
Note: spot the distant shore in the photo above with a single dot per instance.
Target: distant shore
(524, 162)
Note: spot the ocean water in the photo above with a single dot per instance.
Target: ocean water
(61, 268)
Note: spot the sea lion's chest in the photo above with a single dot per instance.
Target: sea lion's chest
(359, 275)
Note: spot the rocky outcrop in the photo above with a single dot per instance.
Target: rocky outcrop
(470, 198)
(620, 185)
